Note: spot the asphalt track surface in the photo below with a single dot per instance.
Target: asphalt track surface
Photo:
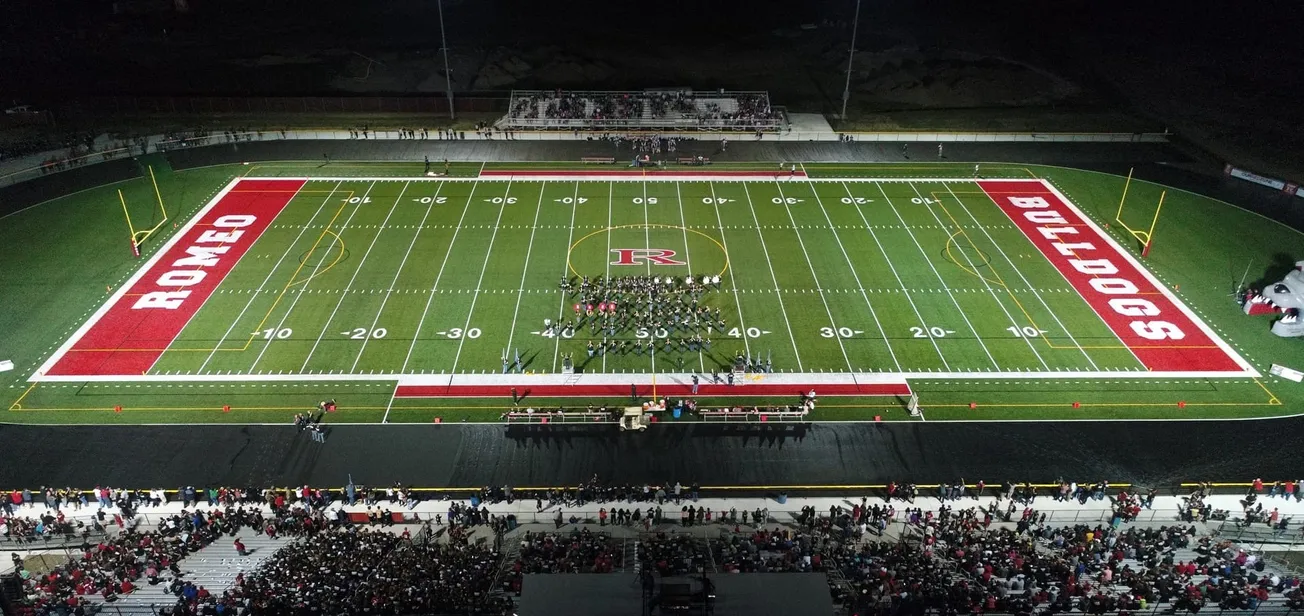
(1150, 453)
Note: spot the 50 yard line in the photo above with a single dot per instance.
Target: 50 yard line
(683, 224)
(484, 266)
(390, 290)
(416, 335)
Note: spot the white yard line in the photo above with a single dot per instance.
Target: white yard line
(520, 293)
(733, 284)
(394, 394)
(819, 288)
(363, 262)
(1024, 278)
(893, 269)
(483, 267)
(683, 224)
(390, 290)
(607, 257)
(939, 279)
(416, 335)
(778, 295)
(991, 291)
(303, 289)
(856, 276)
(565, 271)
(254, 295)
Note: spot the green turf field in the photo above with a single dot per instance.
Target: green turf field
(401, 274)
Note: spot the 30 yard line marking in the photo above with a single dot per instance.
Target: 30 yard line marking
(733, 284)
(892, 267)
(939, 277)
(484, 266)
(801, 242)
(974, 268)
(856, 276)
(778, 295)
(302, 290)
(565, 271)
(434, 286)
(390, 290)
(520, 293)
(683, 224)
(375, 238)
(1025, 281)
(270, 272)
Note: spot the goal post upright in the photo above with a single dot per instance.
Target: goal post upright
(1150, 235)
(135, 248)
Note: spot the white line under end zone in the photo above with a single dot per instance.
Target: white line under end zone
(127, 285)
(682, 177)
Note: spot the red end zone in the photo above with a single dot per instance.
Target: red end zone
(129, 333)
(1162, 333)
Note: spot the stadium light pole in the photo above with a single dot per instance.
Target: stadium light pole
(448, 74)
(851, 56)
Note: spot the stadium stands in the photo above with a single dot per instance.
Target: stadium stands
(676, 110)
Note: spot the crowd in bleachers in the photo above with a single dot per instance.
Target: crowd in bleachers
(748, 111)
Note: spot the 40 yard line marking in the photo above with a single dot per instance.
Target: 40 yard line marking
(416, 335)
(306, 281)
(375, 238)
(272, 271)
(484, 266)
(892, 267)
(778, 295)
(733, 284)
(990, 291)
(801, 242)
(855, 275)
(390, 290)
(565, 271)
(1025, 281)
(520, 293)
(938, 275)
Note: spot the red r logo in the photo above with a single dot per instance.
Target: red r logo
(636, 256)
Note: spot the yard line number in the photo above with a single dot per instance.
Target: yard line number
(458, 332)
(935, 332)
(357, 200)
(1025, 332)
(362, 333)
(272, 332)
(430, 200)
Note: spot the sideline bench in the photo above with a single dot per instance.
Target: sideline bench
(598, 160)
(692, 160)
(543, 417)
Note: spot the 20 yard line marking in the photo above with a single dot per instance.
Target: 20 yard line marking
(774, 278)
(565, 271)
(484, 266)
(1025, 281)
(892, 267)
(375, 238)
(394, 281)
(742, 324)
(856, 276)
(435, 285)
(254, 295)
(511, 333)
(929, 261)
(801, 242)
(307, 281)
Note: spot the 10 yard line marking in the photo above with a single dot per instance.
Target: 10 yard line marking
(511, 333)
(470, 313)
(742, 324)
(254, 296)
(892, 267)
(1024, 278)
(565, 271)
(375, 238)
(800, 242)
(778, 295)
(683, 223)
(394, 281)
(435, 285)
(974, 268)
(307, 281)
(856, 276)
(929, 261)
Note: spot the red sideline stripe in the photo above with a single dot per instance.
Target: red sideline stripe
(127, 340)
(608, 172)
(1161, 335)
(645, 391)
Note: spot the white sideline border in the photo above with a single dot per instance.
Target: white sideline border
(39, 375)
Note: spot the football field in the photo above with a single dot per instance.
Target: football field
(336, 279)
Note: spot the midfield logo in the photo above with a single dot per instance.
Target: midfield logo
(637, 256)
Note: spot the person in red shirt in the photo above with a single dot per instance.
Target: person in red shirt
(240, 547)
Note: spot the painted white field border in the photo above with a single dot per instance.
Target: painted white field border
(1246, 368)
(130, 282)
(660, 177)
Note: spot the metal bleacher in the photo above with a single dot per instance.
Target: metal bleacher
(213, 567)
(679, 110)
